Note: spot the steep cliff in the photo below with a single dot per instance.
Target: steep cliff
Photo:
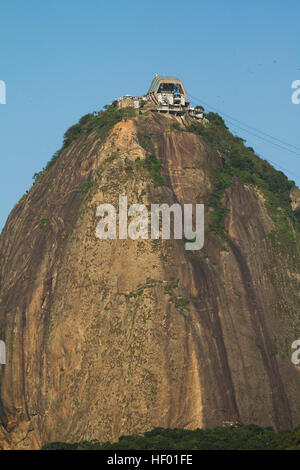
(112, 337)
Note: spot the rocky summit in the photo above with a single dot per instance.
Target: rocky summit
(111, 337)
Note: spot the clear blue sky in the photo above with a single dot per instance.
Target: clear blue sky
(65, 58)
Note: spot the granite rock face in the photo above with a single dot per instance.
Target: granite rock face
(113, 337)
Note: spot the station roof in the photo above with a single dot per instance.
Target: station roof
(159, 79)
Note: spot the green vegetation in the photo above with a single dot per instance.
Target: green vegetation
(101, 123)
(236, 437)
(297, 215)
(149, 168)
(240, 161)
(145, 142)
(151, 163)
(221, 181)
(175, 127)
(153, 166)
(70, 135)
(171, 286)
(181, 303)
(43, 223)
(22, 198)
(85, 187)
(105, 120)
